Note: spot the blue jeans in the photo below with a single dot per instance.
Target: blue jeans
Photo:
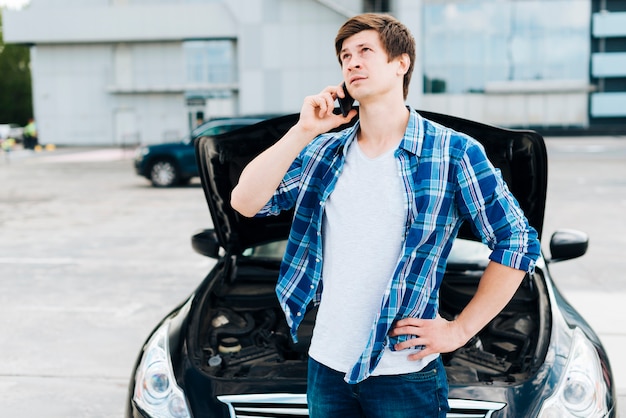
(421, 394)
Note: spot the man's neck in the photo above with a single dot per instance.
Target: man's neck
(382, 126)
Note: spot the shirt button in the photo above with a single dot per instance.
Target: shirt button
(312, 287)
(317, 260)
(298, 314)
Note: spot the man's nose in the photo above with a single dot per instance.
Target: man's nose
(354, 63)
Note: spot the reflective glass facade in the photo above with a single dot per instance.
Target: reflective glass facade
(210, 61)
(468, 43)
(608, 63)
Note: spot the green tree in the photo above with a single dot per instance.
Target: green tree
(16, 102)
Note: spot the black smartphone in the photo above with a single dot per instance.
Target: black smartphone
(346, 103)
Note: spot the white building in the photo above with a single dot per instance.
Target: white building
(120, 72)
(126, 71)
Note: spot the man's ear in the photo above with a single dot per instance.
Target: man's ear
(405, 62)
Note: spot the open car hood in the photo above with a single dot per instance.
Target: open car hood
(520, 155)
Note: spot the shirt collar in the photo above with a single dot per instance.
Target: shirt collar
(350, 136)
(413, 135)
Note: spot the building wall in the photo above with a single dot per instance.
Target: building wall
(112, 72)
(286, 51)
(536, 111)
(520, 63)
(524, 104)
(69, 82)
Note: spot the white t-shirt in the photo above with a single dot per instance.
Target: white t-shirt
(363, 229)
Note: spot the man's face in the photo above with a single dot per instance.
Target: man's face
(366, 68)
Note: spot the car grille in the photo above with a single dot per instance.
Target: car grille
(286, 405)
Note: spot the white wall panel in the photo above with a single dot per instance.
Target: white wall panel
(108, 66)
(120, 23)
(611, 64)
(68, 84)
(609, 24)
(608, 105)
(556, 109)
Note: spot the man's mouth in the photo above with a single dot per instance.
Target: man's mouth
(355, 78)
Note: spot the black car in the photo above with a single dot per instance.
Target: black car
(174, 163)
(226, 351)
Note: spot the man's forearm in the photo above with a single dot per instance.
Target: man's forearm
(261, 177)
(496, 288)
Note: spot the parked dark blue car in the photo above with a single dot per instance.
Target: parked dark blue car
(174, 163)
(226, 351)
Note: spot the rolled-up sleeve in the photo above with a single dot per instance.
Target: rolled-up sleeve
(284, 198)
(493, 212)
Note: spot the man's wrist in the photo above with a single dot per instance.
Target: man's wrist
(302, 134)
(461, 334)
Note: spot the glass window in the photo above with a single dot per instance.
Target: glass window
(471, 42)
(210, 61)
(377, 6)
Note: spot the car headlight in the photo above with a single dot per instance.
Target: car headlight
(156, 391)
(141, 152)
(582, 391)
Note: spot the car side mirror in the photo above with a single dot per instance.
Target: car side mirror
(566, 244)
(206, 243)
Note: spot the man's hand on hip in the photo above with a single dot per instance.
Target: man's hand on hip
(436, 335)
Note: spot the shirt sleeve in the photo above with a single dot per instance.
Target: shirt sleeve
(284, 198)
(493, 212)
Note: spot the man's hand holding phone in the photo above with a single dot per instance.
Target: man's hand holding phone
(317, 114)
(261, 177)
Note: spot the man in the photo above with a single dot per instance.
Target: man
(30, 135)
(377, 207)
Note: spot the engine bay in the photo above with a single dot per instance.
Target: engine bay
(244, 334)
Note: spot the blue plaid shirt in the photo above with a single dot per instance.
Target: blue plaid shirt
(447, 179)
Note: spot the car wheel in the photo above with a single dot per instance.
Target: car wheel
(163, 174)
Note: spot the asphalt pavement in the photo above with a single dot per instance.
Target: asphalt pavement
(92, 257)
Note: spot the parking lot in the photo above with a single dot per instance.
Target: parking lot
(92, 257)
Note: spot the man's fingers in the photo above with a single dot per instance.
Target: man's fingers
(420, 354)
(410, 326)
(317, 112)
(436, 335)
(416, 322)
(410, 343)
(323, 108)
(408, 330)
(324, 102)
(334, 91)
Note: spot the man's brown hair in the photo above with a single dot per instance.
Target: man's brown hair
(395, 37)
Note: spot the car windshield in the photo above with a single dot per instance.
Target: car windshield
(208, 130)
(465, 254)
(219, 126)
(270, 251)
